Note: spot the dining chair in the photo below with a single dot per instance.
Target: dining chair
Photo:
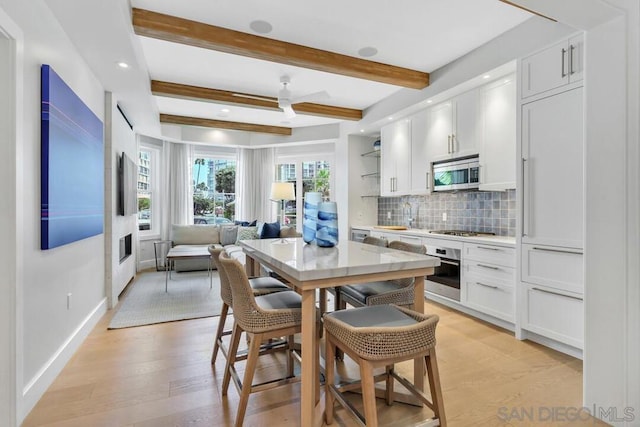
(261, 317)
(399, 291)
(259, 286)
(381, 336)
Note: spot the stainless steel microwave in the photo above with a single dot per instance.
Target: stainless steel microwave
(456, 174)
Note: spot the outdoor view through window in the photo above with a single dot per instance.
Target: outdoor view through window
(214, 192)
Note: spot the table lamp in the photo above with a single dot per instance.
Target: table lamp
(281, 192)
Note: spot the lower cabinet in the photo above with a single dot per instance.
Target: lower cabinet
(488, 279)
(553, 285)
(554, 314)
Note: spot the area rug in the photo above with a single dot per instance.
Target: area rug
(145, 302)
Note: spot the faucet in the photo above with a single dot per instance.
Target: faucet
(407, 208)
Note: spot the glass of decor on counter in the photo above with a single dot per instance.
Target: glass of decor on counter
(327, 226)
(310, 216)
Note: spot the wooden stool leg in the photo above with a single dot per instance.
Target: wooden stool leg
(329, 379)
(221, 321)
(233, 350)
(323, 301)
(389, 389)
(368, 393)
(435, 387)
(252, 361)
(290, 347)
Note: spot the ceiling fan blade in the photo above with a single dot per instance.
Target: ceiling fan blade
(312, 97)
(288, 112)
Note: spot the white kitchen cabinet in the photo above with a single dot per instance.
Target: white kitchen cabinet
(488, 280)
(453, 127)
(552, 170)
(554, 314)
(559, 268)
(499, 137)
(553, 67)
(421, 178)
(395, 162)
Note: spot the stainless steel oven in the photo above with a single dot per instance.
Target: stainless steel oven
(445, 280)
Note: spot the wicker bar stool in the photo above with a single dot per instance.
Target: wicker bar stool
(398, 291)
(377, 336)
(259, 285)
(262, 318)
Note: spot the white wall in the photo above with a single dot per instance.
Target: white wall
(119, 138)
(612, 296)
(48, 331)
(10, 256)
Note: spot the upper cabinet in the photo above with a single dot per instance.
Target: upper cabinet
(395, 166)
(554, 67)
(421, 179)
(498, 130)
(453, 127)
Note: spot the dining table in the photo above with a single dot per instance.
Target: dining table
(308, 267)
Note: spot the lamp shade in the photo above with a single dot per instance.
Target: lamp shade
(282, 191)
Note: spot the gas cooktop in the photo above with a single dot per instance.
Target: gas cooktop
(462, 233)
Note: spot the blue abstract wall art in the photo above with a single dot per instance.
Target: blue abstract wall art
(72, 165)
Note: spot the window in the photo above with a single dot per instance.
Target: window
(148, 204)
(214, 192)
(310, 175)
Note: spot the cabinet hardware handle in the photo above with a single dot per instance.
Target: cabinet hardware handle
(444, 261)
(562, 251)
(525, 224)
(453, 143)
(488, 248)
(486, 286)
(488, 266)
(564, 51)
(427, 178)
(571, 49)
(557, 293)
(448, 144)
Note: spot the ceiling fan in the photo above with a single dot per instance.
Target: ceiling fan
(286, 102)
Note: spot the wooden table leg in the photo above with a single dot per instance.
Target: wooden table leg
(250, 265)
(418, 305)
(309, 368)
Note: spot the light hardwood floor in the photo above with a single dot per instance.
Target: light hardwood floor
(160, 375)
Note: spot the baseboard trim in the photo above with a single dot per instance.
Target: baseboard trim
(34, 389)
(147, 264)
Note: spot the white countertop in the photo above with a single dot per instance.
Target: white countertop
(304, 261)
(488, 239)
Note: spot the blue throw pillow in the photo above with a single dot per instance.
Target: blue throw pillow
(241, 223)
(270, 230)
(253, 223)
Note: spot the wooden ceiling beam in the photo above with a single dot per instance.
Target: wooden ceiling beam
(222, 124)
(510, 3)
(196, 93)
(179, 30)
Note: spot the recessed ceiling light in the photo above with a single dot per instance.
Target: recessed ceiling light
(507, 81)
(361, 130)
(390, 118)
(122, 64)
(367, 51)
(486, 76)
(429, 101)
(225, 110)
(261, 27)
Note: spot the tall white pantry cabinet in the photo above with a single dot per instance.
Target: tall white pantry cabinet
(551, 194)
